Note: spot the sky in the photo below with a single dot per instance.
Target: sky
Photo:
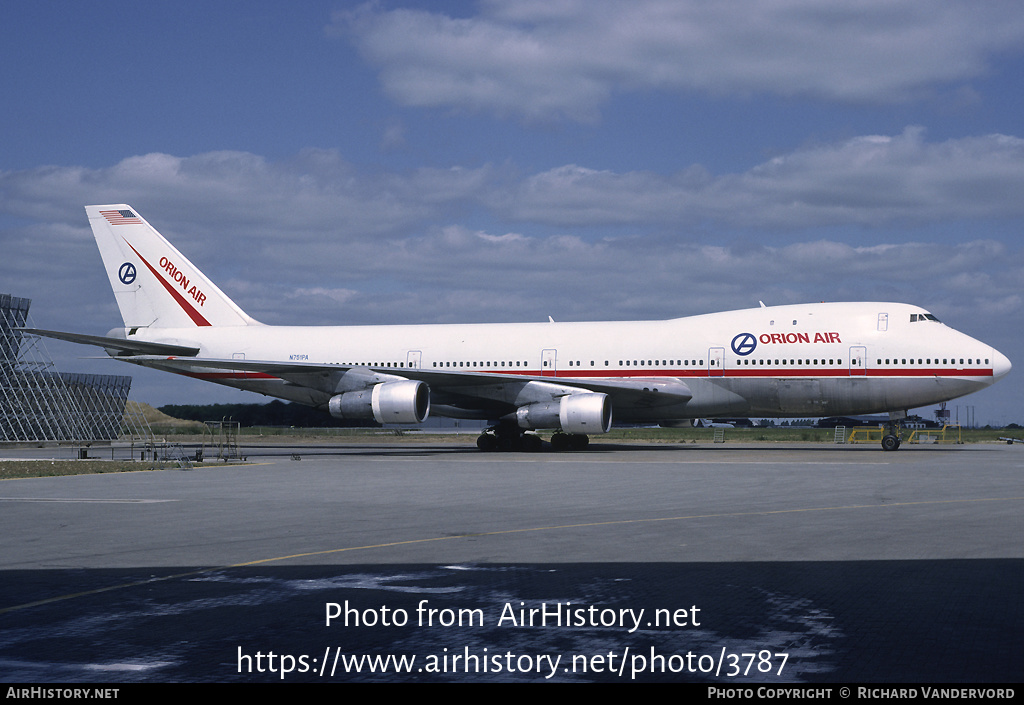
(428, 162)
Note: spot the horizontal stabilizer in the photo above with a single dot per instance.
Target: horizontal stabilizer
(124, 347)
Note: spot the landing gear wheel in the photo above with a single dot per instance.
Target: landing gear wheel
(578, 441)
(507, 438)
(530, 442)
(508, 442)
(569, 441)
(890, 442)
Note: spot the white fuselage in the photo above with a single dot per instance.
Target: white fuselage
(798, 360)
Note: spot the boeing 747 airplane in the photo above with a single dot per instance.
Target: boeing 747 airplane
(826, 359)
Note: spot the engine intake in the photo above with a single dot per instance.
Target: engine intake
(407, 401)
(589, 412)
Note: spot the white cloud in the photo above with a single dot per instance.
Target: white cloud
(317, 197)
(316, 191)
(565, 58)
(871, 180)
(314, 238)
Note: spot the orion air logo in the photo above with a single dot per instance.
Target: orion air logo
(744, 344)
(127, 273)
(179, 276)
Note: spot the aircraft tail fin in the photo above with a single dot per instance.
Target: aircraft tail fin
(154, 284)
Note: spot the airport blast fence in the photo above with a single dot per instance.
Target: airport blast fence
(37, 403)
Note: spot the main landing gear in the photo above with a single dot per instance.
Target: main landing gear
(891, 440)
(509, 437)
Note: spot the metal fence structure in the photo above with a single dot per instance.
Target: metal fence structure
(37, 403)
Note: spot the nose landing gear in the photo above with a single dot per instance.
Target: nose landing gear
(892, 440)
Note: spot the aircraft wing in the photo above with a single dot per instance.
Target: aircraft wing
(462, 391)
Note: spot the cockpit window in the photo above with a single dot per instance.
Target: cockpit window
(915, 317)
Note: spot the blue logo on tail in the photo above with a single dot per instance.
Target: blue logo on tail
(127, 273)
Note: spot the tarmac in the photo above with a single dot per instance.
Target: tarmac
(716, 564)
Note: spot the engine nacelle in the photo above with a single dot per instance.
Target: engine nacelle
(588, 412)
(407, 401)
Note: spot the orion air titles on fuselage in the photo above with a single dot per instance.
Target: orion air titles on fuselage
(744, 344)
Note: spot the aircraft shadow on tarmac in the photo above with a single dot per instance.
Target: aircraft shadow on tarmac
(426, 450)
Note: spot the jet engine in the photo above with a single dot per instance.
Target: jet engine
(587, 412)
(407, 401)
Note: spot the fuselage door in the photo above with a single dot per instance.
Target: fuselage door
(858, 361)
(716, 362)
(412, 359)
(548, 358)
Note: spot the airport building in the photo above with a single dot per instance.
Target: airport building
(37, 403)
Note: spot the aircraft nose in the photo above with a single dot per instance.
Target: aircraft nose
(1000, 364)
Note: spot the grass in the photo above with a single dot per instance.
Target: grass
(16, 469)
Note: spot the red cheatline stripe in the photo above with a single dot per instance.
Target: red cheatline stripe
(196, 317)
(229, 375)
(645, 374)
(732, 373)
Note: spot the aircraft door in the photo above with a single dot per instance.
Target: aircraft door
(716, 362)
(240, 374)
(548, 358)
(412, 359)
(858, 361)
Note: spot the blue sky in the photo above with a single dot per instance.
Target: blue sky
(391, 162)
